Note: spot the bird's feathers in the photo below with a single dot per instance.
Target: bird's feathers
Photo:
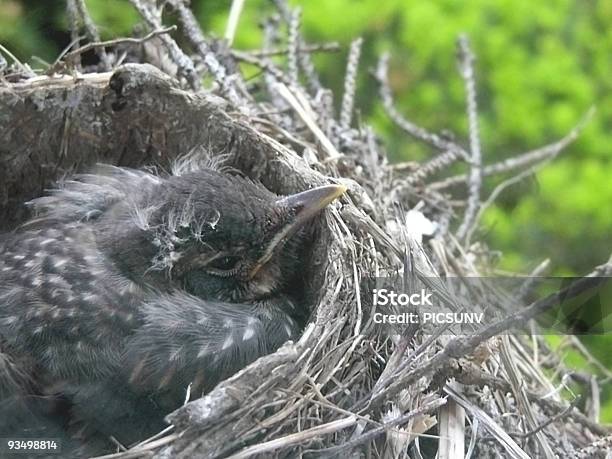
(89, 312)
(87, 196)
(183, 334)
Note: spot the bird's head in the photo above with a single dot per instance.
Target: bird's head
(226, 237)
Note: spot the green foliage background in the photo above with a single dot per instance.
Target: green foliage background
(540, 66)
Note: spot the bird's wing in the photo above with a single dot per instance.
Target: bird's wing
(186, 340)
(86, 196)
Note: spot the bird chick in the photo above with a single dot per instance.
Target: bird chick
(129, 287)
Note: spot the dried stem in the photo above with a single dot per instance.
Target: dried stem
(294, 46)
(25, 69)
(331, 47)
(466, 66)
(78, 8)
(544, 153)
(193, 32)
(304, 59)
(375, 432)
(70, 56)
(499, 190)
(296, 438)
(350, 80)
(407, 126)
(184, 63)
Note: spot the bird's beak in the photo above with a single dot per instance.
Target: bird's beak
(309, 203)
(305, 206)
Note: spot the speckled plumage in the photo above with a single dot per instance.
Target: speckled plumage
(127, 287)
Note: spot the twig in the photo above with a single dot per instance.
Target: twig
(309, 71)
(350, 78)
(459, 347)
(304, 59)
(520, 395)
(544, 424)
(24, 67)
(331, 47)
(466, 66)
(265, 64)
(158, 435)
(404, 124)
(193, 32)
(270, 39)
(524, 159)
(296, 438)
(511, 448)
(140, 450)
(371, 434)
(117, 41)
(79, 8)
(118, 444)
(73, 19)
(293, 46)
(304, 113)
(495, 194)
(435, 164)
(184, 63)
(232, 21)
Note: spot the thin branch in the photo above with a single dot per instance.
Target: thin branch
(265, 64)
(546, 423)
(184, 63)
(435, 164)
(350, 78)
(70, 56)
(331, 47)
(309, 70)
(92, 32)
(73, 20)
(372, 434)
(544, 153)
(466, 66)
(296, 438)
(495, 194)
(304, 59)
(590, 358)
(304, 112)
(192, 31)
(140, 451)
(293, 45)
(28, 72)
(520, 395)
(459, 347)
(404, 124)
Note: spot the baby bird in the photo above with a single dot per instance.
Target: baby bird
(129, 287)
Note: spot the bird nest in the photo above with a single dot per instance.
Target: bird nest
(348, 386)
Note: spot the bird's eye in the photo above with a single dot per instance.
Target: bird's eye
(223, 265)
